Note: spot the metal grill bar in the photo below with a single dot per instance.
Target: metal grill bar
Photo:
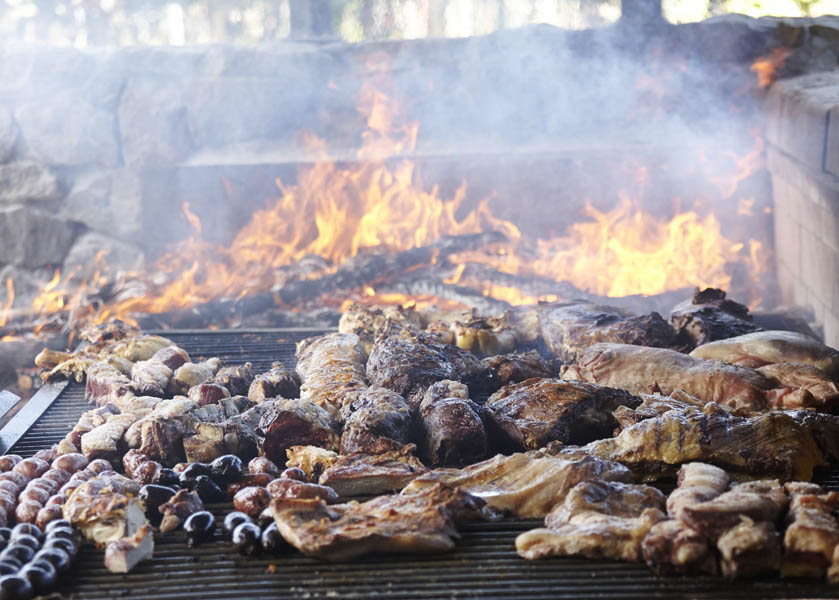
(483, 565)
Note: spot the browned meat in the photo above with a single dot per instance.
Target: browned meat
(474, 333)
(698, 482)
(368, 322)
(569, 328)
(388, 469)
(284, 487)
(190, 374)
(538, 411)
(377, 413)
(151, 378)
(171, 356)
(123, 555)
(709, 316)
(105, 441)
(178, 508)
(749, 549)
(642, 370)
(331, 369)
(760, 501)
(598, 519)
(140, 467)
(111, 331)
(409, 362)
(824, 429)
(769, 444)
(513, 368)
(236, 379)
(278, 382)
(420, 522)
(528, 486)
(208, 393)
(823, 389)
(297, 423)
(105, 384)
(654, 405)
(105, 508)
(313, 461)
(455, 435)
(812, 532)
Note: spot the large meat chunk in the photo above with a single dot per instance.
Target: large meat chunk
(123, 555)
(278, 382)
(151, 377)
(455, 435)
(538, 411)
(105, 384)
(823, 391)
(709, 316)
(377, 413)
(772, 347)
(654, 405)
(812, 533)
(570, 328)
(642, 370)
(331, 369)
(188, 375)
(528, 486)
(421, 522)
(750, 548)
(297, 422)
(409, 362)
(105, 508)
(469, 331)
(236, 379)
(368, 322)
(388, 467)
(504, 369)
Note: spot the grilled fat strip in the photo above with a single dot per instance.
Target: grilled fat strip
(332, 370)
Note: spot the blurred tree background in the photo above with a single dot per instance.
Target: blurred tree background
(126, 22)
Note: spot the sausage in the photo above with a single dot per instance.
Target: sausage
(99, 466)
(47, 454)
(251, 500)
(140, 467)
(8, 462)
(8, 486)
(32, 467)
(34, 494)
(47, 514)
(47, 485)
(260, 464)
(249, 480)
(27, 512)
(70, 462)
(19, 479)
(59, 476)
(56, 500)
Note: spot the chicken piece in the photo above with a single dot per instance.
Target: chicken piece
(279, 382)
(528, 486)
(415, 523)
(387, 467)
(368, 322)
(178, 508)
(769, 444)
(598, 520)
(331, 369)
(377, 413)
(670, 547)
(105, 384)
(313, 461)
(409, 362)
(812, 532)
(105, 508)
(151, 378)
(63, 365)
(655, 405)
(709, 316)
(538, 411)
(113, 330)
(455, 435)
(760, 501)
(772, 347)
(749, 548)
(121, 556)
(237, 379)
(642, 370)
(569, 328)
(514, 368)
(823, 389)
(189, 375)
(297, 422)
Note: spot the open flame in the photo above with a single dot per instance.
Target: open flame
(766, 67)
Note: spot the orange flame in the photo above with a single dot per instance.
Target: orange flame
(6, 307)
(766, 67)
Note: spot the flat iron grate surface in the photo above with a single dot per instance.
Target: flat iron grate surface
(483, 565)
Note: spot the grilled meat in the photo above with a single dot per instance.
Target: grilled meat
(598, 519)
(772, 347)
(642, 370)
(178, 508)
(654, 405)
(190, 374)
(105, 384)
(236, 434)
(749, 548)
(140, 467)
(368, 322)
(504, 369)
(105, 441)
(409, 362)
(484, 336)
(709, 316)
(121, 556)
(538, 411)
(278, 382)
(171, 356)
(151, 378)
(297, 422)
(420, 522)
(313, 461)
(388, 467)
(377, 413)
(208, 393)
(528, 486)
(812, 532)
(698, 482)
(105, 508)
(455, 435)
(569, 328)
(236, 379)
(769, 444)
(823, 389)
(331, 369)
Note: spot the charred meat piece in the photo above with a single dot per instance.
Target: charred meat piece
(409, 362)
(642, 370)
(569, 328)
(770, 444)
(188, 375)
(90, 420)
(455, 435)
(235, 435)
(297, 422)
(514, 368)
(208, 393)
(823, 389)
(824, 429)
(368, 322)
(331, 369)
(698, 482)
(171, 356)
(112, 330)
(278, 382)
(284, 487)
(313, 461)
(812, 532)
(377, 413)
(670, 547)
(598, 519)
(178, 508)
(105, 508)
(709, 316)
(151, 378)
(140, 348)
(760, 501)
(772, 347)
(749, 549)
(121, 556)
(421, 522)
(538, 411)
(529, 486)
(237, 380)
(654, 405)
(387, 468)
(105, 385)
(105, 441)
(140, 467)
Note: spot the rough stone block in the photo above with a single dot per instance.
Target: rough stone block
(8, 134)
(820, 188)
(115, 255)
(33, 238)
(831, 330)
(787, 228)
(818, 269)
(109, 202)
(26, 181)
(67, 130)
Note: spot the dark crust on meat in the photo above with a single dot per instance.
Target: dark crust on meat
(297, 423)
(377, 413)
(709, 316)
(516, 367)
(455, 435)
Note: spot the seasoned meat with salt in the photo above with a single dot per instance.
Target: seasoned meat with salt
(105, 384)
(538, 411)
(151, 378)
(454, 433)
(377, 413)
(278, 382)
(388, 467)
(236, 379)
(710, 316)
(368, 322)
(105, 508)
(331, 369)
(654, 405)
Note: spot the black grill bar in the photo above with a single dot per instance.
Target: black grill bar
(483, 565)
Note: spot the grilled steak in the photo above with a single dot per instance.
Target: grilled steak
(388, 467)
(504, 369)
(455, 435)
(297, 422)
(709, 316)
(378, 413)
(331, 369)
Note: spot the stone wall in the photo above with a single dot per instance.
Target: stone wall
(100, 148)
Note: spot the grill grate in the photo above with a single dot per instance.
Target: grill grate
(483, 565)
